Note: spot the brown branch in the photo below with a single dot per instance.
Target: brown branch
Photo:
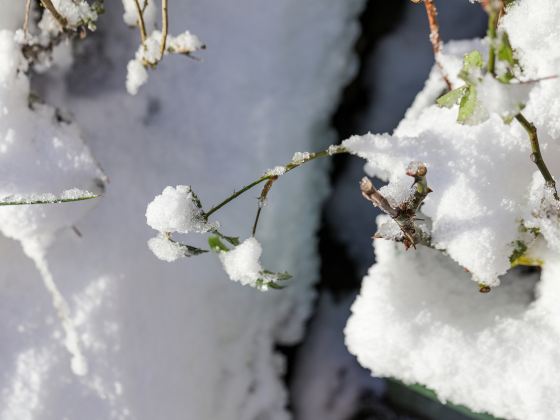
(405, 214)
(164, 27)
(435, 39)
(26, 17)
(262, 201)
(372, 194)
(141, 23)
(47, 4)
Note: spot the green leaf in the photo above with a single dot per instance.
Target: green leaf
(276, 276)
(216, 244)
(506, 77)
(452, 97)
(467, 105)
(472, 60)
(191, 251)
(505, 51)
(233, 240)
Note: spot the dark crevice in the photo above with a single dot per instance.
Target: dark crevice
(338, 273)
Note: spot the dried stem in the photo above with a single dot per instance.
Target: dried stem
(287, 168)
(262, 202)
(26, 17)
(372, 194)
(164, 28)
(435, 38)
(536, 155)
(47, 4)
(405, 214)
(141, 23)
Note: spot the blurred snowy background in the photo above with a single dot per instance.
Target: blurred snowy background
(180, 341)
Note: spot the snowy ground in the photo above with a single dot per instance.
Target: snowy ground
(180, 341)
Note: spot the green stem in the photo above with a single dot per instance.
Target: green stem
(492, 34)
(287, 168)
(536, 155)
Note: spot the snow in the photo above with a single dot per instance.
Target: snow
(276, 171)
(130, 15)
(72, 194)
(242, 263)
(391, 84)
(76, 13)
(149, 54)
(136, 76)
(537, 48)
(469, 172)
(169, 340)
(176, 210)
(418, 318)
(165, 249)
(300, 157)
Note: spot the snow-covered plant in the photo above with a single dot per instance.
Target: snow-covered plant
(179, 210)
(154, 45)
(461, 156)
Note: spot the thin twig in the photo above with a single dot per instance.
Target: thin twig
(435, 38)
(287, 168)
(141, 23)
(47, 4)
(164, 28)
(536, 155)
(262, 202)
(26, 17)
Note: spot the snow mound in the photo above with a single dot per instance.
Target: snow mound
(419, 319)
(481, 176)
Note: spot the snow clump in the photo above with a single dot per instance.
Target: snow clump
(149, 55)
(165, 249)
(177, 210)
(242, 263)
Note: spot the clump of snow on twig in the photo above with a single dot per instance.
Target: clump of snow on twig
(177, 209)
(242, 263)
(148, 55)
